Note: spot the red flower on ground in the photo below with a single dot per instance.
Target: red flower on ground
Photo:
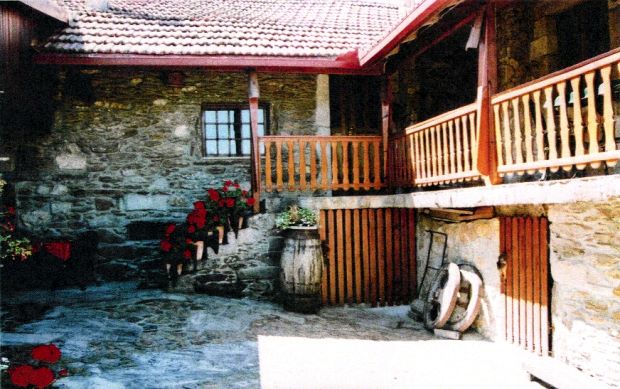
(187, 254)
(46, 353)
(165, 246)
(214, 195)
(250, 201)
(170, 229)
(42, 377)
(230, 202)
(20, 375)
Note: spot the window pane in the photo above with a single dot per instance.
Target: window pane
(233, 147)
(210, 131)
(245, 131)
(211, 148)
(223, 147)
(261, 130)
(245, 147)
(261, 116)
(209, 116)
(245, 116)
(223, 131)
(223, 116)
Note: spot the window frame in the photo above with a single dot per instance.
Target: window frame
(237, 123)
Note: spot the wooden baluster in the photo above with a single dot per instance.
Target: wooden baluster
(564, 134)
(434, 151)
(507, 135)
(366, 150)
(577, 120)
(429, 157)
(498, 136)
(608, 114)
(419, 158)
(443, 153)
(324, 172)
(335, 161)
(356, 165)
(540, 147)
(459, 150)
(268, 183)
(345, 164)
(291, 166)
(411, 161)
(313, 173)
(279, 181)
(452, 151)
(302, 165)
(592, 123)
(517, 133)
(474, 140)
(551, 137)
(466, 145)
(527, 121)
(377, 160)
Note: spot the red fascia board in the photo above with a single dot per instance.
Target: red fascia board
(220, 63)
(409, 24)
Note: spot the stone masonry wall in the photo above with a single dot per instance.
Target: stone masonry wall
(126, 147)
(585, 266)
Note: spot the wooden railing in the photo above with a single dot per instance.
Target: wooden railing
(563, 121)
(301, 163)
(437, 151)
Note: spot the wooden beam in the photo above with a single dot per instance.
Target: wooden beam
(386, 101)
(253, 96)
(487, 84)
(215, 62)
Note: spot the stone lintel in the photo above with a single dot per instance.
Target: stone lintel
(595, 189)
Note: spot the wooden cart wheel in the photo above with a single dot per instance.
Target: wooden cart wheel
(442, 296)
(470, 291)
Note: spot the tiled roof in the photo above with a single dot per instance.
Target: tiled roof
(289, 28)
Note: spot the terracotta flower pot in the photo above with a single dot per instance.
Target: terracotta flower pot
(220, 234)
(200, 247)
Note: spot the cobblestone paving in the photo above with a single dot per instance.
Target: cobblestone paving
(115, 336)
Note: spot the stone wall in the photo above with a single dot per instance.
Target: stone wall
(585, 266)
(126, 147)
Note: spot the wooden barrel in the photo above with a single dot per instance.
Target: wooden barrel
(302, 265)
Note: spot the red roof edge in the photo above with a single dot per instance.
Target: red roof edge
(412, 22)
(346, 65)
(48, 8)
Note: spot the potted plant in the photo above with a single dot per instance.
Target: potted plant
(177, 249)
(301, 261)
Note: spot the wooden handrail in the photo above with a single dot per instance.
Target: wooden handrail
(444, 117)
(322, 162)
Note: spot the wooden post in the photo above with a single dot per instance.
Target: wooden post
(253, 95)
(487, 84)
(386, 101)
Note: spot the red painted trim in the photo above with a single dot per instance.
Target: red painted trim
(412, 22)
(222, 63)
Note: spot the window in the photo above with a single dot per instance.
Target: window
(226, 129)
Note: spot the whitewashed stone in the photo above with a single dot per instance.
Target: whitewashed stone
(136, 202)
(71, 162)
(160, 102)
(43, 190)
(60, 208)
(160, 184)
(181, 131)
(35, 218)
(59, 190)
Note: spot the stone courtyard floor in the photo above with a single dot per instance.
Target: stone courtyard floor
(115, 336)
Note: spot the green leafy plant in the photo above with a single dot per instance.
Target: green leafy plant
(12, 247)
(296, 216)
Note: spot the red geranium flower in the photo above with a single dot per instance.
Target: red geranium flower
(187, 254)
(214, 195)
(63, 373)
(170, 229)
(228, 183)
(236, 185)
(46, 353)
(230, 202)
(221, 203)
(42, 377)
(216, 218)
(250, 201)
(189, 241)
(20, 375)
(11, 211)
(199, 205)
(225, 189)
(244, 193)
(191, 229)
(165, 246)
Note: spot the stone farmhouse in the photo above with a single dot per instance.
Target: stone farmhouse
(492, 122)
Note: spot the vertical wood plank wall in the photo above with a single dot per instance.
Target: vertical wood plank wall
(526, 284)
(369, 256)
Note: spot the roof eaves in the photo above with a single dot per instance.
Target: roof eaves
(48, 8)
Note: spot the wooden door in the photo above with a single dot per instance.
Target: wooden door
(525, 282)
(369, 256)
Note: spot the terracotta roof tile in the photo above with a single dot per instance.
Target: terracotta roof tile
(292, 28)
